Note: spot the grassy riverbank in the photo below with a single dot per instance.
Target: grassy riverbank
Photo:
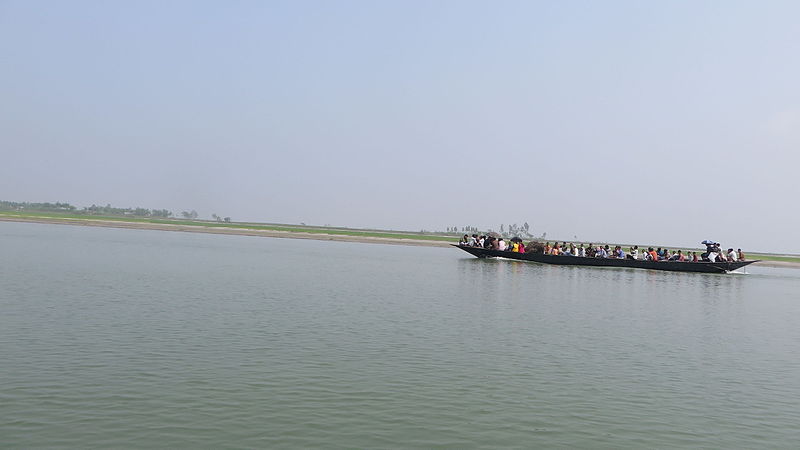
(288, 230)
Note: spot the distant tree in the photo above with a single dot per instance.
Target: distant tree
(186, 214)
(161, 213)
(501, 228)
(227, 219)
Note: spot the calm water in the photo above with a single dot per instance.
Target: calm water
(126, 338)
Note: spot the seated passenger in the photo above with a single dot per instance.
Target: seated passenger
(515, 247)
(731, 255)
(501, 244)
(521, 247)
(581, 251)
(547, 248)
(464, 240)
(740, 255)
(653, 254)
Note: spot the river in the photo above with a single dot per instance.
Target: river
(138, 338)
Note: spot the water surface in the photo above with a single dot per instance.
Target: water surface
(131, 338)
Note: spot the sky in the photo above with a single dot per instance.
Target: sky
(619, 121)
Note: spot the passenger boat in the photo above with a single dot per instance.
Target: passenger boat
(675, 266)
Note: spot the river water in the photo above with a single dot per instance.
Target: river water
(132, 338)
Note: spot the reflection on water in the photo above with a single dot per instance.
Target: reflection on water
(120, 338)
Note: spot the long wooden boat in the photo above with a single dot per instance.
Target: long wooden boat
(676, 266)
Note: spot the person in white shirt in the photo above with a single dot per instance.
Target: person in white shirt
(581, 251)
(501, 245)
(732, 257)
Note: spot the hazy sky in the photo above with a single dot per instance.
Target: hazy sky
(668, 122)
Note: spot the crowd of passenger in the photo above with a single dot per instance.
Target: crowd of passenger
(713, 251)
(493, 243)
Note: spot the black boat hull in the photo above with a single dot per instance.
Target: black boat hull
(675, 266)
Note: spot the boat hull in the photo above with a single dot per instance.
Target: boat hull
(674, 266)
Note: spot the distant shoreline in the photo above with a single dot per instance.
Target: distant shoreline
(229, 231)
(268, 233)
